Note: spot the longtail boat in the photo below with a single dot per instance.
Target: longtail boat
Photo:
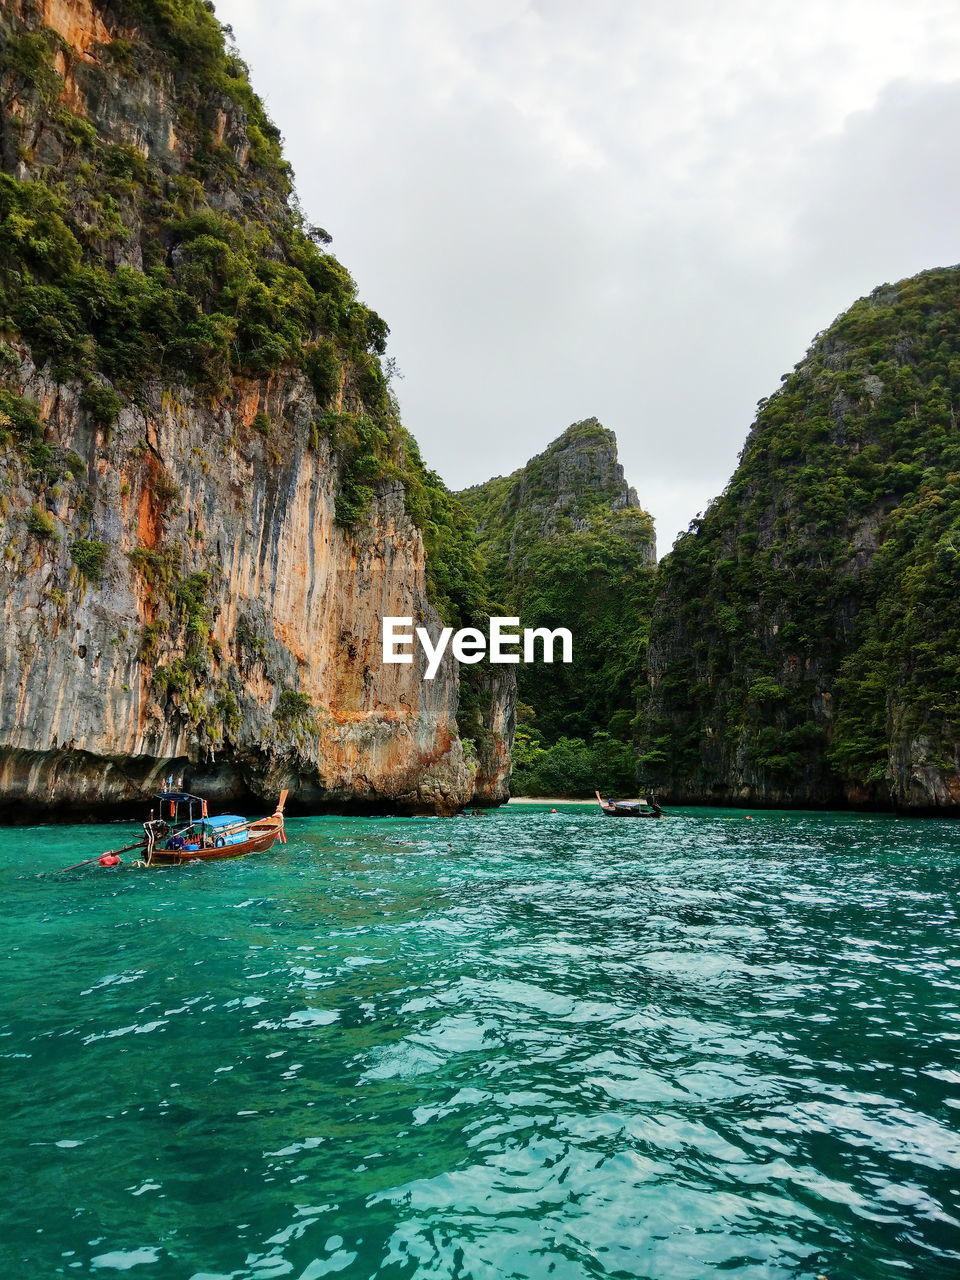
(185, 832)
(641, 808)
(207, 839)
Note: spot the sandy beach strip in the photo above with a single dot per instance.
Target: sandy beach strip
(551, 800)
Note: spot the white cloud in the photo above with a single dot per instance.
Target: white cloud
(638, 211)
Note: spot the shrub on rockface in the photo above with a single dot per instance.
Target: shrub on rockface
(90, 557)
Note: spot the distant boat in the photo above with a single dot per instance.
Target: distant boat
(640, 808)
(185, 832)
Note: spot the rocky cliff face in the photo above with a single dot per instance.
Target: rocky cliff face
(568, 545)
(806, 633)
(555, 493)
(208, 504)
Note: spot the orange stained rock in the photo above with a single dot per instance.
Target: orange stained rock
(78, 22)
(389, 715)
(149, 514)
(70, 95)
(291, 637)
(248, 400)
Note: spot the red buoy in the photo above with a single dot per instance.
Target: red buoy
(109, 860)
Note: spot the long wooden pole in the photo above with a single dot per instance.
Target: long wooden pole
(106, 854)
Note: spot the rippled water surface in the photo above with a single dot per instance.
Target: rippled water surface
(527, 1045)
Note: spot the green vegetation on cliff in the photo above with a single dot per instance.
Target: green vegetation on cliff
(184, 258)
(806, 639)
(568, 546)
(157, 273)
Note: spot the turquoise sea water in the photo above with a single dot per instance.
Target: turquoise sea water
(525, 1045)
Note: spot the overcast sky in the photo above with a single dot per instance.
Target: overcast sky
(638, 210)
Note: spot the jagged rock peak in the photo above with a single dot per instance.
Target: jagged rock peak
(559, 490)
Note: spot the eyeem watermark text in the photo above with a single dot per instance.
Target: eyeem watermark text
(470, 645)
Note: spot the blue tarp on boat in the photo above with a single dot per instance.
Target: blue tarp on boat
(223, 820)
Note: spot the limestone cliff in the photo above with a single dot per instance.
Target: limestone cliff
(568, 545)
(208, 502)
(805, 638)
(555, 493)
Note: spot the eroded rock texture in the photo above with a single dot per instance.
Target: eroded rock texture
(207, 507)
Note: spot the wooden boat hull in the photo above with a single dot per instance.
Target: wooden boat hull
(262, 836)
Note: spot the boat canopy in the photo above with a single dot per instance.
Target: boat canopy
(223, 820)
(178, 797)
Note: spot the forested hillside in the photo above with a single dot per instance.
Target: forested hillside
(805, 644)
(568, 545)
